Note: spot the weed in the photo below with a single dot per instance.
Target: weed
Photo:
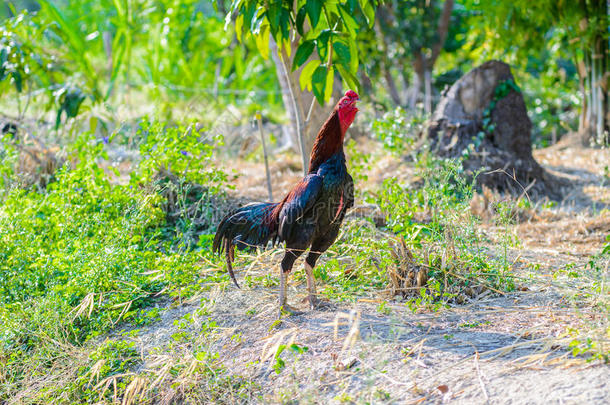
(112, 357)
(358, 163)
(85, 254)
(591, 346)
(142, 317)
(280, 364)
(394, 129)
(382, 308)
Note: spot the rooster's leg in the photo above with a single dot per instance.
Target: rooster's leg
(285, 268)
(311, 286)
(314, 301)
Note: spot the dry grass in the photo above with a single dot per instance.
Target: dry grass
(36, 163)
(406, 277)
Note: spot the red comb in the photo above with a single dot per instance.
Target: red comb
(351, 94)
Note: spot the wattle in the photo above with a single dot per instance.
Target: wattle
(346, 118)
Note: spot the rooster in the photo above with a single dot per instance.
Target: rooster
(308, 217)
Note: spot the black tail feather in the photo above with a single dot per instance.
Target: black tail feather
(246, 228)
(230, 251)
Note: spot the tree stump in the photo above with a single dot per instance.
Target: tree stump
(483, 119)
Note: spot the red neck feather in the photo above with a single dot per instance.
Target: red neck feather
(328, 142)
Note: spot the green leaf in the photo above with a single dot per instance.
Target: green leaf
(285, 23)
(273, 15)
(257, 21)
(330, 78)
(350, 79)
(342, 52)
(279, 350)
(58, 117)
(72, 102)
(300, 20)
(368, 11)
(92, 124)
(262, 41)
(3, 59)
(322, 42)
(119, 50)
(350, 23)
(318, 84)
(119, 8)
(279, 365)
(239, 26)
(314, 9)
(303, 52)
(298, 349)
(249, 12)
(351, 5)
(18, 81)
(353, 52)
(306, 74)
(74, 40)
(287, 47)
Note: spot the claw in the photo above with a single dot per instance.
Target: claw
(288, 310)
(316, 303)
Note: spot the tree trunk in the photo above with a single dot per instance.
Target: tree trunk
(422, 65)
(306, 104)
(418, 79)
(594, 123)
(391, 85)
(291, 114)
(406, 86)
(427, 92)
(384, 58)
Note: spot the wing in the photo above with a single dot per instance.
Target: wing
(349, 192)
(300, 200)
(346, 200)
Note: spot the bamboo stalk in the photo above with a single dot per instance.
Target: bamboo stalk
(260, 129)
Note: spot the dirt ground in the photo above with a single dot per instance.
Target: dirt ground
(505, 349)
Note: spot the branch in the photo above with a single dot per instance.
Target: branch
(443, 30)
(384, 58)
(305, 129)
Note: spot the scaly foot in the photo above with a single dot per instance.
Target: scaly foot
(322, 305)
(288, 310)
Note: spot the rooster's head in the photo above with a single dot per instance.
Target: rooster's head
(346, 108)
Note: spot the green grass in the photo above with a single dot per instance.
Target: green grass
(84, 254)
